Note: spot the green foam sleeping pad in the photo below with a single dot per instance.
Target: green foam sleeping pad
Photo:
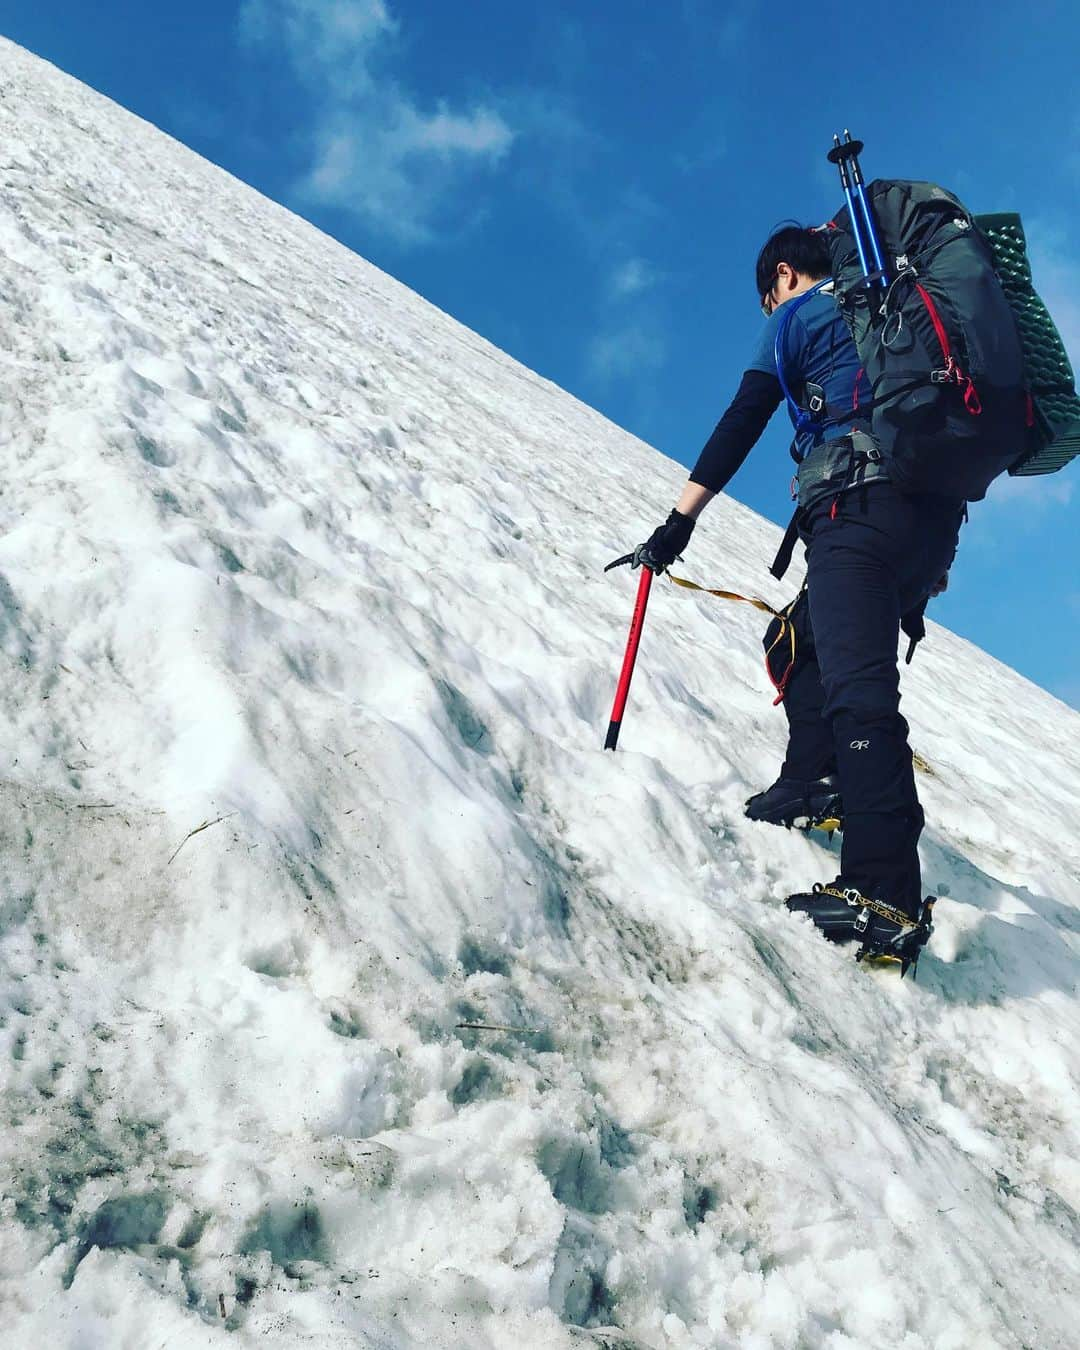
(1055, 438)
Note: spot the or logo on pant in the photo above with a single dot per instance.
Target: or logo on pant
(860, 745)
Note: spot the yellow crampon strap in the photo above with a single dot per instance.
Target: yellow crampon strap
(877, 907)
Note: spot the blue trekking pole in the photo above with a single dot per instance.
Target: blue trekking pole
(864, 202)
(839, 155)
(854, 187)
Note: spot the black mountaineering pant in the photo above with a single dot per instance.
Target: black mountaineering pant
(871, 558)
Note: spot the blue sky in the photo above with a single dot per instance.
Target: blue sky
(587, 185)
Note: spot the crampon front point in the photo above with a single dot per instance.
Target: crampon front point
(905, 948)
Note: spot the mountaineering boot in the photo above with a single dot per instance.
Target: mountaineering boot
(885, 933)
(813, 804)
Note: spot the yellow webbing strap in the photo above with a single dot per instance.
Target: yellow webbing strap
(726, 595)
(787, 628)
(877, 907)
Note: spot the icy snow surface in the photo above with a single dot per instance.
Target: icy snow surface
(288, 553)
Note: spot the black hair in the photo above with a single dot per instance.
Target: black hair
(800, 247)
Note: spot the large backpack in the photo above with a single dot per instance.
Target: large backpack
(951, 402)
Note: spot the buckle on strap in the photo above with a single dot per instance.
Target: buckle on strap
(815, 398)
(865, 447)
(849, 893)
(866, 907)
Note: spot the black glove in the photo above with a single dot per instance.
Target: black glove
(662, 547)
(914, 629)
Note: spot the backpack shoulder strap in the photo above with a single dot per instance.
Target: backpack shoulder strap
(802, 416)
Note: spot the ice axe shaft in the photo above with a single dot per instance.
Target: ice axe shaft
(632, 642)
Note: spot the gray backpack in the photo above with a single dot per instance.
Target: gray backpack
(964, 373)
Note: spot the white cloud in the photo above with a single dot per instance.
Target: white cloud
(632, 277)
(1038, 492)
(482, 132)
(625, 353)
(375, 152)
(326, 40)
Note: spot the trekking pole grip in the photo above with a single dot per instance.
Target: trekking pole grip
(632, 643)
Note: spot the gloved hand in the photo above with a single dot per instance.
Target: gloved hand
(662, 547)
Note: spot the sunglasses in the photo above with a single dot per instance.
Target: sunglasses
(767, 306)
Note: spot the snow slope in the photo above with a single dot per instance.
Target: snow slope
(288, 553)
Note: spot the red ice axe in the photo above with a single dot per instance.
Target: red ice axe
(636, 625)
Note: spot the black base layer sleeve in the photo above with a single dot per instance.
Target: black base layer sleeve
(738, 430)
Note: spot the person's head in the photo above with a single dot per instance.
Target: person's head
(792, 260)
